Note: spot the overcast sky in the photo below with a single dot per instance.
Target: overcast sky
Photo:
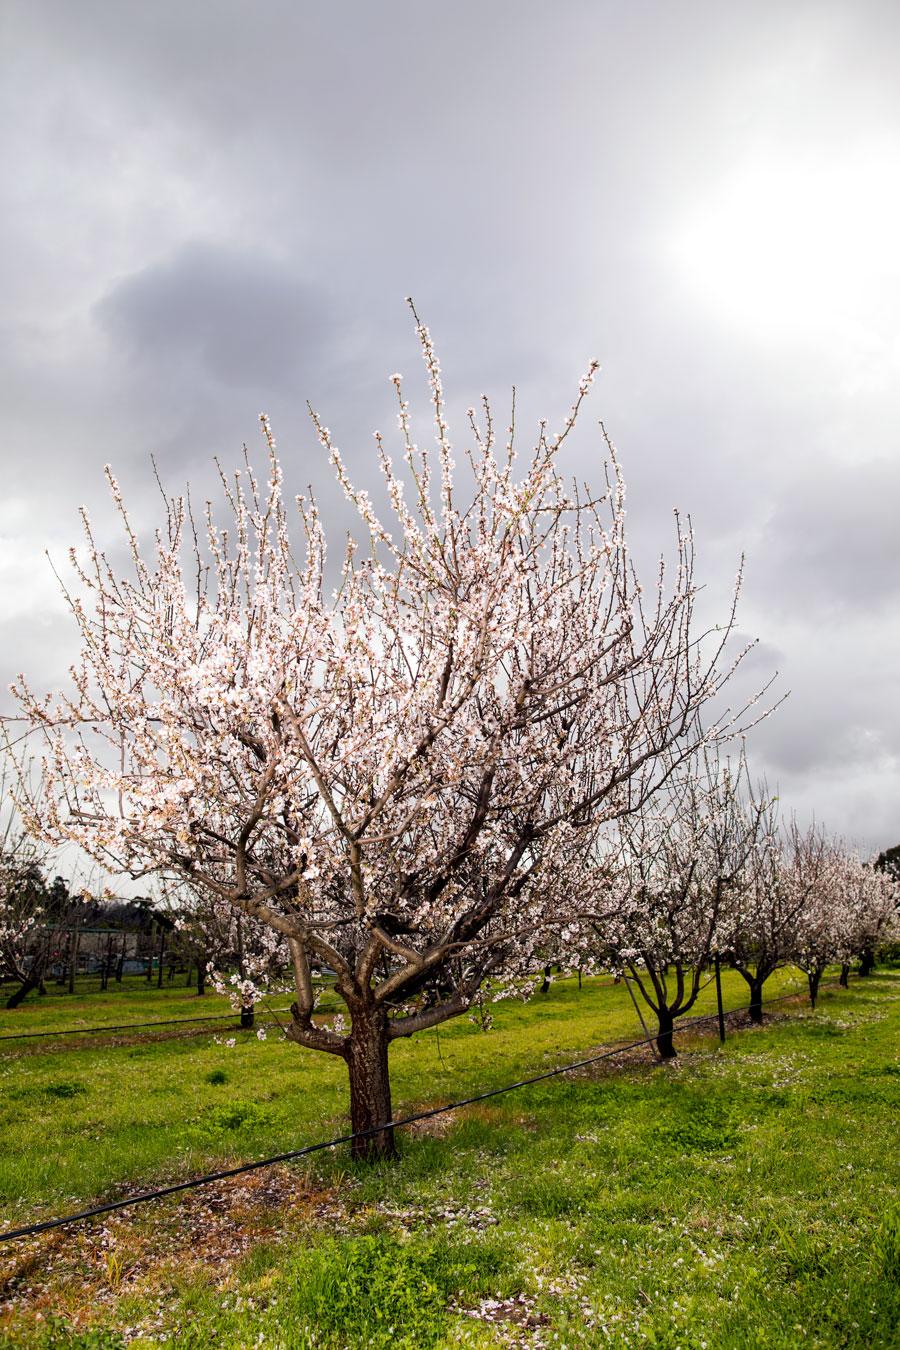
(213, 207)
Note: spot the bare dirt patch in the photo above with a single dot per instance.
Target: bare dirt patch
(76, 1271)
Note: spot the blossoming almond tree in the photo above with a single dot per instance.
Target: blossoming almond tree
(24, 930)
(822, 872)
(781, 910)
(873, 904)
(679, 873)
(238, 954)
(847, 906)
(397, 778)
(33, 912)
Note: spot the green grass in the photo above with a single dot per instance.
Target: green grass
(134, 999)
(148, 1109)
(739, 1198)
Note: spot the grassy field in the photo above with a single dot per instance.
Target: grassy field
(740, 1197)
(134, 999)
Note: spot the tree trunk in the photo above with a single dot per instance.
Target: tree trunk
(201, 977)
(370, 1087)
(867, 962)
(24, 989)
(664, 1041)
(845, 977)
(107, 963)
(247, 1015)
(546, 984)
(756, 1000)
(813, 977)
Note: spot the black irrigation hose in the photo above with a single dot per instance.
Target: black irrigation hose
(124, 1026)
(143, 1196)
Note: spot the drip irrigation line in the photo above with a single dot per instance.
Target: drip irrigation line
(124, 1026)
(178, 1187)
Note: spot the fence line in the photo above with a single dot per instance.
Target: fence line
(143, 1197)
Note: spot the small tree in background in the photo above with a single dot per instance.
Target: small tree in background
(874, 894)
(681, 868)
(399, 780)
(34, 913)
(241, 955)
(889, 861)
(30, 915)
(821, 871)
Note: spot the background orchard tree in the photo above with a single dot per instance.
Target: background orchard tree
(397, 778)
(682, 865)
(34, 911)
(39, 922)
(888, 861)
(241, 955)
(198, 935)
(874, 900)
(767, 934)
(820, 869)
(26, 911)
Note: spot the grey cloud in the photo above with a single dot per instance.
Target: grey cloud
(839, 716)
(215, 208)
(833, 541)
(243, 319)
(815, 737)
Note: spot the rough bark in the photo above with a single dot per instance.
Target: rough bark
(24, 989)
(867, 962)
(845, 977)
(813, 977)
(366, 1054)
(756, 1000)
(665, 1043)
